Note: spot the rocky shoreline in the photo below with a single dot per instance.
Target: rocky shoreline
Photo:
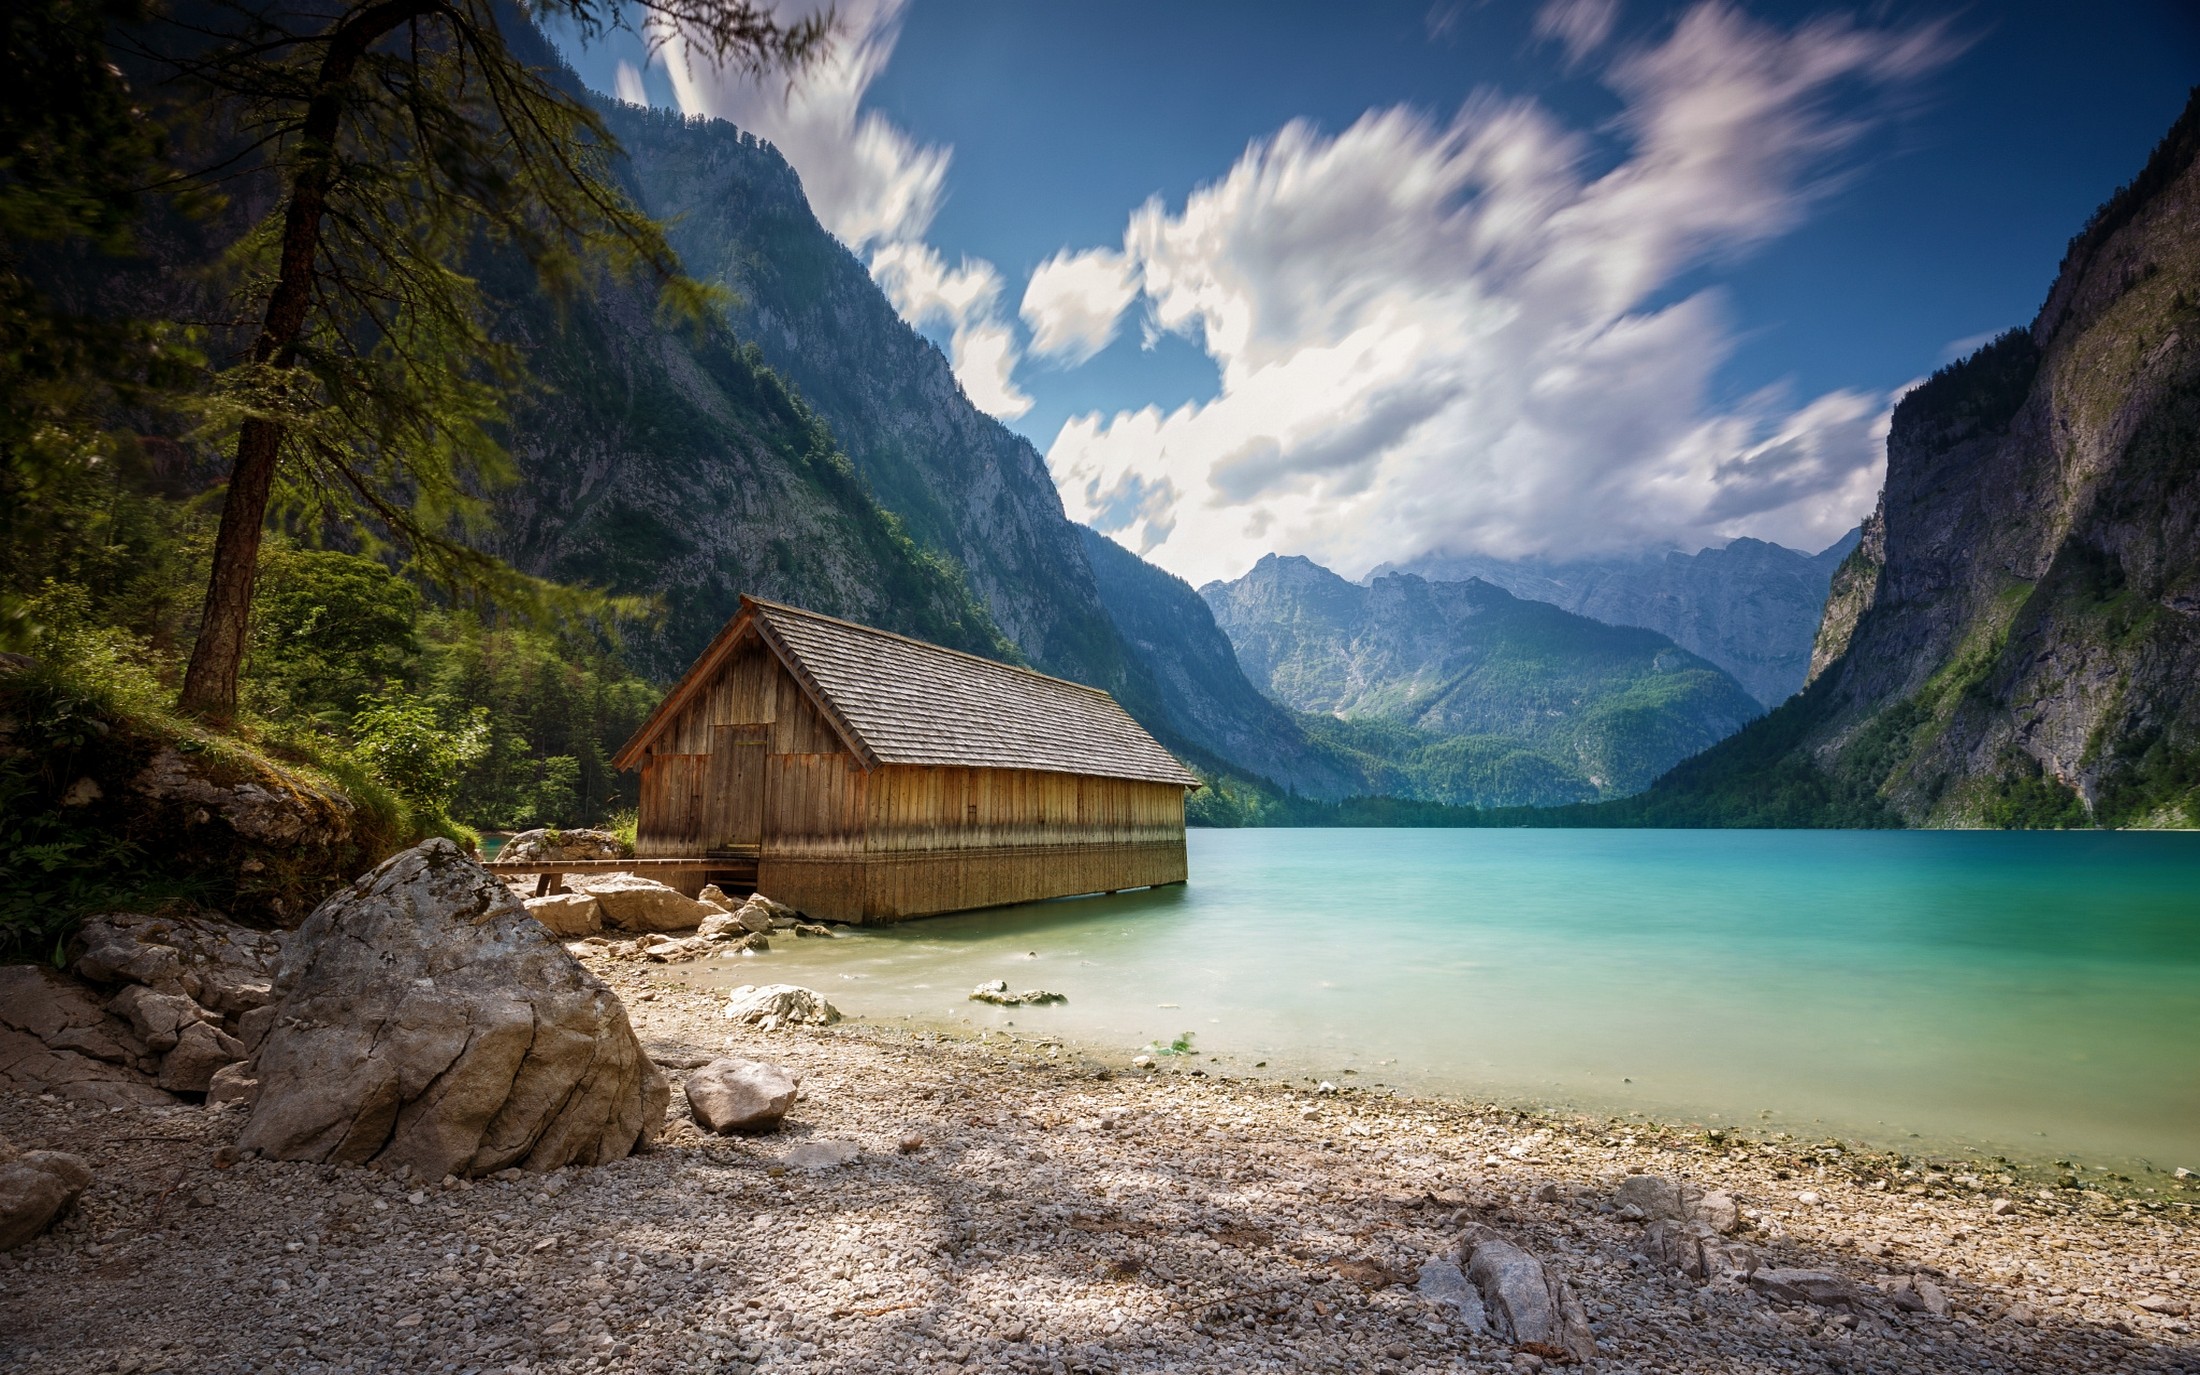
(934, 1202)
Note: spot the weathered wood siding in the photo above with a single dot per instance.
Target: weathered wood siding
(751, 761)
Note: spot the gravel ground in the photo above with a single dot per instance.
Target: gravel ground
(1015, 1205)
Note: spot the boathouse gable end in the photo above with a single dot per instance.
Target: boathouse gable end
(869, 776)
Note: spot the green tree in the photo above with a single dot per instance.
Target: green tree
(331, 630)
(405, 135)
(77, 150)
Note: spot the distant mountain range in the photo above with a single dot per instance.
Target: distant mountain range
(1460, 692)
(2016, 640)
(1750, 607)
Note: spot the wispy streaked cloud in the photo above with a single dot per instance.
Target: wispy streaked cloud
(1074, 302)
(872, 184)
(1460, 335)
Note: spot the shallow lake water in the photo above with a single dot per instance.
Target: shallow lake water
(2034, 995)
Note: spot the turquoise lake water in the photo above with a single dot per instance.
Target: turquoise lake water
(2035, 995)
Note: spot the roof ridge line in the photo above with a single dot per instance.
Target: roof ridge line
(927, 644)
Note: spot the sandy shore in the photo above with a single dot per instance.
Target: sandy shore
(1012, 1205)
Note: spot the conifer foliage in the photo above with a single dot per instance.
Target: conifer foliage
(402, 136)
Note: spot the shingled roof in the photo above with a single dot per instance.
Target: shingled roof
(902, 701)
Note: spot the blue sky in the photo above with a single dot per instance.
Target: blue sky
(1540, 278)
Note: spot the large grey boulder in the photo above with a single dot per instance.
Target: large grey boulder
(225, 968)
(56, 1037)
(1524, 1301)
(36, 1187)
(536, 846)
(638, 904)
(567, 914)
(427, 1021)
(733, 1095)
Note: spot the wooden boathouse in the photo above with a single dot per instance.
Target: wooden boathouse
(872, 777)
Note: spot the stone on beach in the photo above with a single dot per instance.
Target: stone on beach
(1650, 1197)
(822, 1155)
(199, 1052)
(1819, 1288)
(232, 1084)
(997, 993)
(36, 1187)
(632, 903)
(428, 1021)
(1442, 1286)
(1696, 1249)
(771, 1006)
(1526, 1302)
(733, 1095)
(779, 913)
(567, 914)
(1917, 1294)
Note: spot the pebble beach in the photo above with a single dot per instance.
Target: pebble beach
(938, 1201)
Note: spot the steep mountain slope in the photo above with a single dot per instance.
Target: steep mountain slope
(654, 461)
(961, 480)
(663, 465)
(962, 483)
(1463, 693)
(1750, 607)
(1197, 673)
(2016, 641)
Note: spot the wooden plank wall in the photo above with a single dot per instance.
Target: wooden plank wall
(949, 839)
(898, 841)
(813, 788)
(947, 808)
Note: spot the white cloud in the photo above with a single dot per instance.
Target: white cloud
(1453, 336)
(1075, 301)
(872, 184)
(1969, 344)
(967, 300)
(1580, 26)
(630, 88)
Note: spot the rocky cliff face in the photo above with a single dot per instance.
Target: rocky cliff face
(1469, 694)
(962, 485)
(682, 469)
(2017, 639)
(961, 482)
(1750, 607)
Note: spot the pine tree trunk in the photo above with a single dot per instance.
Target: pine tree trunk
(210, 683)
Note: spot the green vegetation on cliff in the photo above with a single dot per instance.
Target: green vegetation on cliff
(1465, 695)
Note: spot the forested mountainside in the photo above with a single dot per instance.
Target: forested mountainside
(1465, 694)
(677, 465)
(962, 483)
(2016, 641)
(1750, 607)
(1168, 626)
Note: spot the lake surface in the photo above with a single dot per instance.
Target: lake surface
(2035, 995)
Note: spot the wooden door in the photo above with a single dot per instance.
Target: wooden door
(735, 803)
